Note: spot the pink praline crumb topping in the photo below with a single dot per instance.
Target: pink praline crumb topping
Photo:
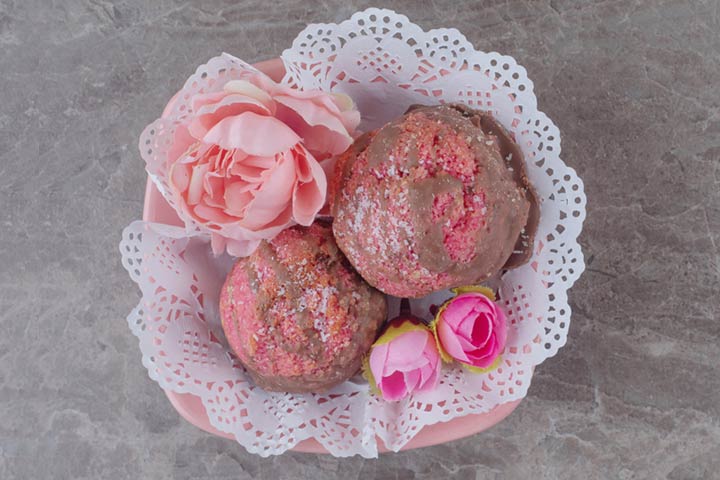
(383, 218)
(287, 314)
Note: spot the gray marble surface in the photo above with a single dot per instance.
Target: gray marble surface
(633, 86)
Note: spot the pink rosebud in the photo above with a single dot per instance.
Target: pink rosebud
(404, 360)
(243, 161)
(470, 328)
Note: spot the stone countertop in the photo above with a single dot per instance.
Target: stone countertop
(633, 86)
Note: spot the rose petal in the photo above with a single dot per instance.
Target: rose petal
(253, 134)
(221, 161)
(206, 213)
(458, 309)
(180, 176)
(262, 81)
(482, 328)
(431, 376)
(425, 374)
(378, 357)
(236, 157)
(311, 113)
(308, 200)
(199, 100)
(182, 141)
(251, 167)
(326, 136)
(208, 116)
(450, 342)
(466, 345)
(195, 188)
(237, 196)
(282, 221)
(406, 351)
(217, 243)
(350, 119)
(319, 96)
(393, 387)
(246, 88)
(435, 378)
(260, 162)
(485, 356)
(303, 168)
(198, 153)
(430, 371)
(343, 101)
(274, 195)
(241, 248)
(248, 173)
(239, 184)
(214, 184)
(217, 202)
(236, 229)
(489, 349)
(311, 190)
(412, 380)
(464, 327)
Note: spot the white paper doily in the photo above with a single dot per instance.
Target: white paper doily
(385, 63)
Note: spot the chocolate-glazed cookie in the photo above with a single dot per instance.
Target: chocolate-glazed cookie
(297, 315)
(434, 199)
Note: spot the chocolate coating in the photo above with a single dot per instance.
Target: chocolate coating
(434, 199)
(297, 315)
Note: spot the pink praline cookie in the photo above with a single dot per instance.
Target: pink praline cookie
(297, 315)
(434, 199)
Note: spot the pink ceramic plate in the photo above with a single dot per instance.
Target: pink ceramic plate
(190, 407)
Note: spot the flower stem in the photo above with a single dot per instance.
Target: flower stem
(405, 307)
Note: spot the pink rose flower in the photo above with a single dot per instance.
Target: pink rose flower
(244, 161)
(470, 328)
(404, 360)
